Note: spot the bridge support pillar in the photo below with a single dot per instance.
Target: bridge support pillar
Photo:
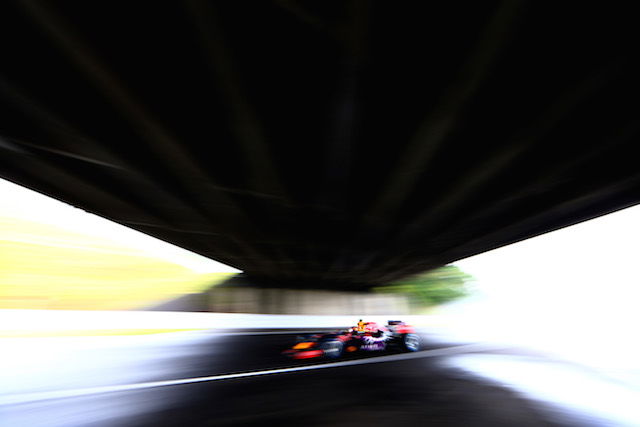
(242, 295)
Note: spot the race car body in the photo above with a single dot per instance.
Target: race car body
(367, 337)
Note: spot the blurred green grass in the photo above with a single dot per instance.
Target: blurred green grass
(46, 267)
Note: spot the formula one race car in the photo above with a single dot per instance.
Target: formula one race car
(367, 336)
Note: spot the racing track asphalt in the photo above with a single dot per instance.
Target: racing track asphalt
(417, 391)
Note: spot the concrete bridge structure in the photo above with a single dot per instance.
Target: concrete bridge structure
(321, 145)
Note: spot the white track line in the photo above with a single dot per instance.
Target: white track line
(283, 332)
(59, 394)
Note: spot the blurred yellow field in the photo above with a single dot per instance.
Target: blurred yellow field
(46, 267)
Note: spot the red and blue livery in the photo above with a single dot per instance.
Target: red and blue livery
(366, 336)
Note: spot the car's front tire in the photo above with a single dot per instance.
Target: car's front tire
(410, 342)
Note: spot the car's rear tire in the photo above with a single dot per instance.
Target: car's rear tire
(332, 349)
(410, 342)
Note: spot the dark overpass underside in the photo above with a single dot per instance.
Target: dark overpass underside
(324, 144)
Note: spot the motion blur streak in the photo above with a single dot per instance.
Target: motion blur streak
(30, 397)
(188, 378)
(571, 388)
